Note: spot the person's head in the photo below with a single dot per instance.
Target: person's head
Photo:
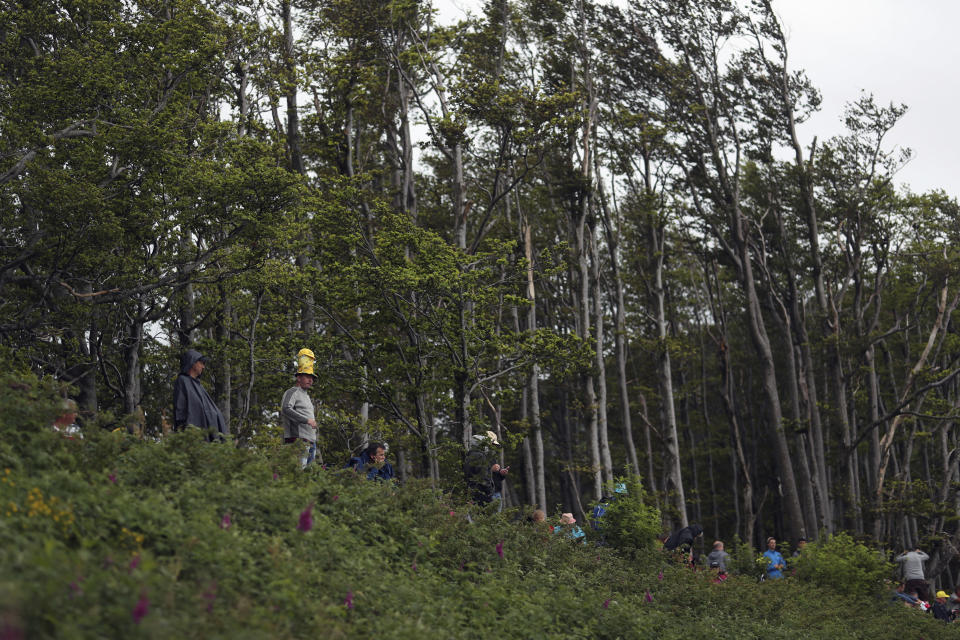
(487, 439)
(801, 543)
(567, 518)
(718, 546)
(942, 596)
(68, 415)
(538, 516)
(197, 368)
(305, 380)
(772, 543)
(376, 451)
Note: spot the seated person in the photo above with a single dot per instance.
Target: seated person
(568, 526)
(940, 611)
(372, 462)
(900, 595)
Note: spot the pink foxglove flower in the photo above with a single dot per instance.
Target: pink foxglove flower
(210, 595)
(606, 603)
(648, 597)
(660, 575)
(112, 478)
(348, 601)
(226, 522)
(141, 609)
(276, 476)
(500, 549)
(306, 519)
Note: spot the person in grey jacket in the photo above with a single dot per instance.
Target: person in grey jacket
(912, 562)
(191, 402)
(717, 559)
(298, 417)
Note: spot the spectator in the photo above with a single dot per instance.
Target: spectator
(801, 544)
(66, 422)
(568, 526)
(940, 611)
(683, 540)
(372, 462)
(537, 516)
(191, 402)
(297, 411)
(717, 559)
(775, 562)
(954, 602)
(483, 474)
(912, 562)
(899, 595)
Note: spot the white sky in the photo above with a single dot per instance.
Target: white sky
(902, 51)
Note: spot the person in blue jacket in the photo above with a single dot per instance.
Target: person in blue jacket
(372, 462)
(775, 562)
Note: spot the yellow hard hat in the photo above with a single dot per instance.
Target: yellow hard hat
(305, 360)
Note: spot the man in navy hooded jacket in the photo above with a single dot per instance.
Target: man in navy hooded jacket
(191, 402)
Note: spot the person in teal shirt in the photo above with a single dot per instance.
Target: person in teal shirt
(775, 562)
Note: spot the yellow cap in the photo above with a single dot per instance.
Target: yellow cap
(305, 360)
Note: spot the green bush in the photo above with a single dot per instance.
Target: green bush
(110, 536)
(630, 523)
(844, 565)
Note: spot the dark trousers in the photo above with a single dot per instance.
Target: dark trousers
(920, 586)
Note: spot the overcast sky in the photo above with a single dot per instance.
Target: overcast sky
(902, 51)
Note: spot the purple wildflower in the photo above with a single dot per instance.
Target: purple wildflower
(452, 513)
(648, 597)
(348, 601)
(210, 595)
(276, 476)
(10, 631)
(142, 608)
(134, 563)
(606, 603)
(112, 478)
(660, 575)
(335, 498)
(225, 521)
(414, 566)
(306, 519)
(500, 549)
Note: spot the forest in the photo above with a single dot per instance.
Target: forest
(590, 227)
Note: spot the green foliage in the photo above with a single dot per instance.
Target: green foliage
(202, 540)
(630, 523)
(841, 563)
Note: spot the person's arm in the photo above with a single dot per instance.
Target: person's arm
(922, 555)
(179, 404)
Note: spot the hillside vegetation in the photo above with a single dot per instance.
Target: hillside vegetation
(110, 536)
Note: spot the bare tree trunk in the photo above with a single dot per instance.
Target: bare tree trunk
(620, 331)
(655, 247)
(605, 457)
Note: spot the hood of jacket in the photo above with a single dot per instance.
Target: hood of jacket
(188, 359)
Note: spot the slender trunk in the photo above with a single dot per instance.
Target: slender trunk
(601, 366)
(655, 247)
(619, 333)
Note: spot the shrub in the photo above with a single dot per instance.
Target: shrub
(629, 522)
(841, 563)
